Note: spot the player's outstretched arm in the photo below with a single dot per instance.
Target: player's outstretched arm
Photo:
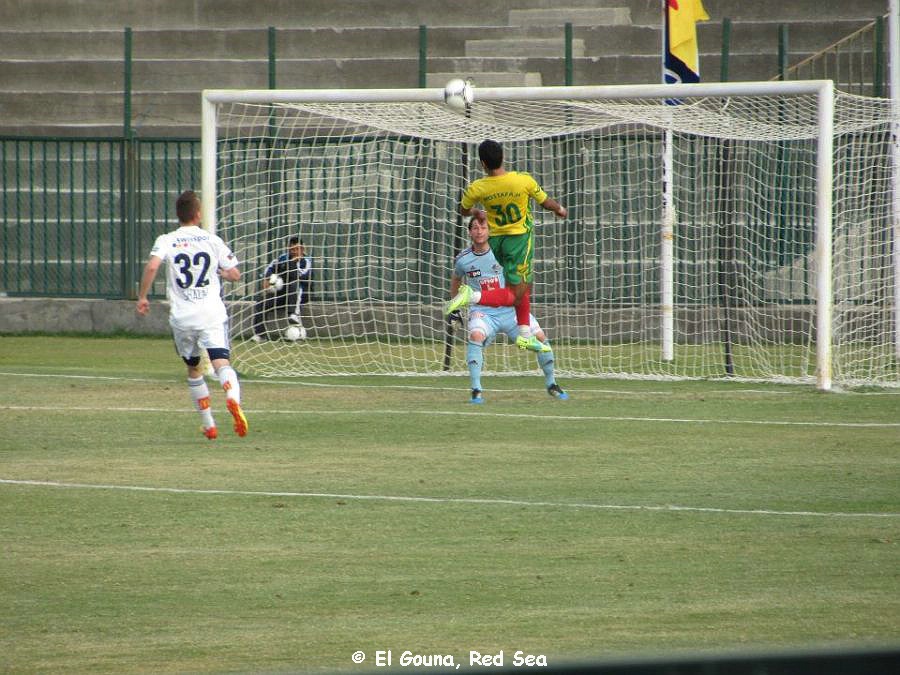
(552, 205)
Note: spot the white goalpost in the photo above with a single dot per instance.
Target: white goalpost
(771, 261)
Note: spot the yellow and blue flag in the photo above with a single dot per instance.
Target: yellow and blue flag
(681, 62)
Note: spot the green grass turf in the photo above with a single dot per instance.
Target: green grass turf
(546, 526)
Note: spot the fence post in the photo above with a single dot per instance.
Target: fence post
(569, 67)
(726, 50)
(423, 56)
(126, 107)
(782, 51)
(878, 76)
(272, 57)
(128, 251)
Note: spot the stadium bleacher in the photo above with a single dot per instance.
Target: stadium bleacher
(63, 61)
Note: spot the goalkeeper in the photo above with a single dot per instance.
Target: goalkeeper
(477, 268)
(283, 285)
(506, 197)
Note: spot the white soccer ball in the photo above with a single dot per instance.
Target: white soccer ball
(458, 94)
(276, 282)
(294, 333)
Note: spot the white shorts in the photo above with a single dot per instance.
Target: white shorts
(190, 342)
(491, 325)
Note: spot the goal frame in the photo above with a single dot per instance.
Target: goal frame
(823, 90)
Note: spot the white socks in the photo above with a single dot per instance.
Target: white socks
(229, 379)
(200, 396)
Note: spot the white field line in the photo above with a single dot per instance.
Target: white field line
(787, 390)
(464, 413)
(670, 508)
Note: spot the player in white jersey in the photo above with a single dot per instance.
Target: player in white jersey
(195, 259)
(477, 267)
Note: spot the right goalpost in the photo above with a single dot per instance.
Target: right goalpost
(734, 230)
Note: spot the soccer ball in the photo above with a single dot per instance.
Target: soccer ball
(458, 94)
(294, 333)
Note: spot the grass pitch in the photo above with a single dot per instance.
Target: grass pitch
(366, 514)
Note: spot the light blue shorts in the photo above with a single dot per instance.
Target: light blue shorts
(492, 323)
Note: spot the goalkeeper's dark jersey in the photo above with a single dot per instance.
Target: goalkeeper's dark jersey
(292, 271)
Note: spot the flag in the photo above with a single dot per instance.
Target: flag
(682, 58)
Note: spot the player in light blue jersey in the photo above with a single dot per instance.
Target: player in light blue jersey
(477, 267)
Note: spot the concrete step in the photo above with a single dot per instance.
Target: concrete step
(197, 74)
(808, 36)
(366, 42)
(577, 16)
(157, 105)
(224, 43)
(162, 14)
(648, 12)
(525, 47)
(487, 79)
(804, 37)
(57, 15)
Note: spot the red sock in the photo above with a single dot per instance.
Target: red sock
(523, 309)
(497, 297)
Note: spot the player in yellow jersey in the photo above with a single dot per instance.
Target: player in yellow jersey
(506, 197)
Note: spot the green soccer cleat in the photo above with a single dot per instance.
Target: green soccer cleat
(460, 300)
(531, 344)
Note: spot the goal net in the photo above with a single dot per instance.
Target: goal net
(740, 231)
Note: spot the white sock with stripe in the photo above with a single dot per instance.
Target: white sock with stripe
(200, 397)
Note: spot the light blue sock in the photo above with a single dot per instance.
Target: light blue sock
(475, 360)
(545, 361)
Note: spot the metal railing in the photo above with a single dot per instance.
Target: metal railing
(856, 63)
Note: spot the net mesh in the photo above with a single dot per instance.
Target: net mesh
(373, 190)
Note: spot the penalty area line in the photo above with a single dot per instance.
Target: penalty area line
(667, 508)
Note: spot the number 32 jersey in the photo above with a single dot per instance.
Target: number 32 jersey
(193, 258)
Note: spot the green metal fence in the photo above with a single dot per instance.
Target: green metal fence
(78, 216)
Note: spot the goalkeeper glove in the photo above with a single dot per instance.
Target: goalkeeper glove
(276, 283)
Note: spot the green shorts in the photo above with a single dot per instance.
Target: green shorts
(515, 253)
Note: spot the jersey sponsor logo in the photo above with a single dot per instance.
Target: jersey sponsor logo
(473, 273)
(490, 283)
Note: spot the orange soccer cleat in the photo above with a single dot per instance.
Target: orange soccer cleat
(240, 422)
